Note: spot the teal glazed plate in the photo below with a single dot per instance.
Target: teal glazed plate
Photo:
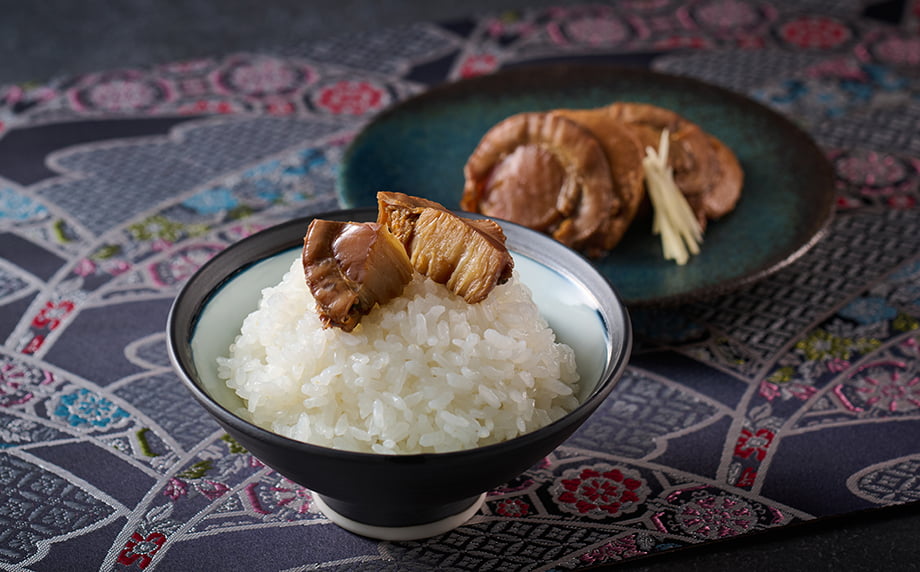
(420, 146)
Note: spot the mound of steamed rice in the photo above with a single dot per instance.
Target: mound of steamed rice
(427, 372)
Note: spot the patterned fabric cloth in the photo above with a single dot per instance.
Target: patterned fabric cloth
(795, 398)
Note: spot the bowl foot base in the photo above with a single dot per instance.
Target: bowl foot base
(399, 533)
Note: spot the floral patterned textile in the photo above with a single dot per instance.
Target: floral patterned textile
(795, 398)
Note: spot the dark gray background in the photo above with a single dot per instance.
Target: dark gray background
(42, 39)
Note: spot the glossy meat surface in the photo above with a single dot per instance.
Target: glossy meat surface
(351, 267)
(546, 172)
(466, 255)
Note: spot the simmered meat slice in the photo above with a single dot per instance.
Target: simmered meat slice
(691, 155)
(545, 172)
(624, 153)
(726, 189)
(350, 267)
(705, 170)
(468, 256)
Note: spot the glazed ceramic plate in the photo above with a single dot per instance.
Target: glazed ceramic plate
(420, 146)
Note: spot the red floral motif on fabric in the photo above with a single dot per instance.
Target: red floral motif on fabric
(901, 202)
(19, 383)
(712, 517)
(140, 550)
(512, 508)
(52, 314)
(600, 491)
(33, 345)
(211, 489)
(280, 107)
(194, 87)
(85, 267)
(872, 173)
(352, 98)
(478, 64)
(293, 496)
(815, 32)
(882, 386)
(619, 549)
(844, 203)
(175, 489)
(598, 31)
(871, 178)
(770, 390)
(263, 77)
(751, 443)
(182, 264)
(130, 92)
(747, 478)
(899, 51)
(285, 499)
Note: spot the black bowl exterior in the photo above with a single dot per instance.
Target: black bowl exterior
(399, 490)
(388, 490)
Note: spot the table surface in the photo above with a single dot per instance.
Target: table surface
(774, 424)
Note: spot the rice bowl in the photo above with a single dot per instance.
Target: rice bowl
(395, 496)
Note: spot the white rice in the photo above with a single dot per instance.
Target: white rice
(427, 372)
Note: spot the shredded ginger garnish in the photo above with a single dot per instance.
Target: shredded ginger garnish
(674, 220)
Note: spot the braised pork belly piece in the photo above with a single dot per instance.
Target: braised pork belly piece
(468, 256)
(350, 267)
